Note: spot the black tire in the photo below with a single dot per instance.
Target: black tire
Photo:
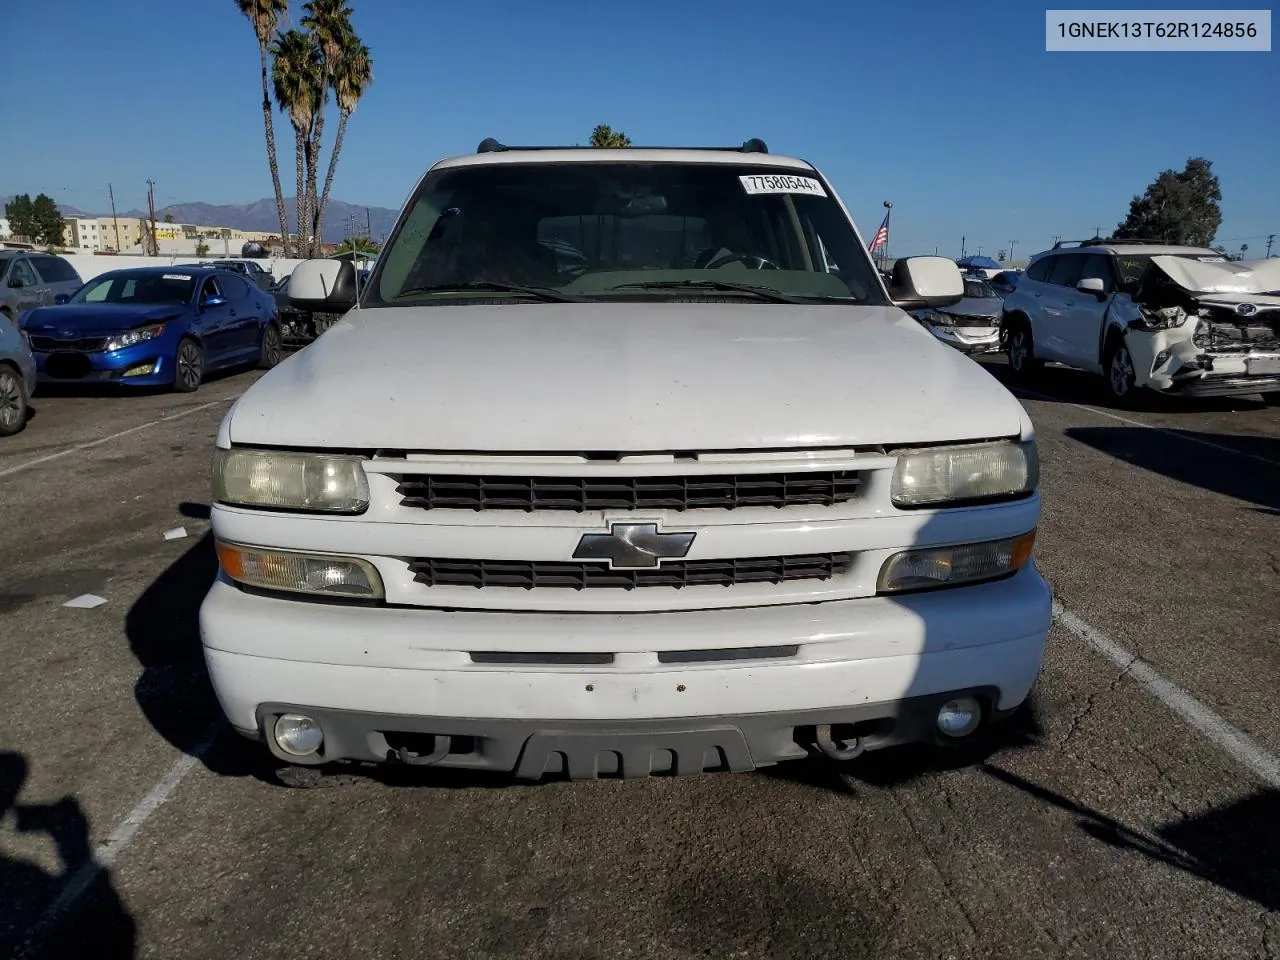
(1272, 398)
(1021, 352)
(271, 351)
(13, 400)
(1119, 374)
(188, 366)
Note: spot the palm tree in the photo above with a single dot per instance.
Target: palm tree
(297, 76)
(352, 76)
(264, 15)
(329, 22)
(357, 244)
(605, 136)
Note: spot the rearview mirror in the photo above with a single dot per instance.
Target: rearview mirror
(1093, 285)
(919, 282)
(323, 286)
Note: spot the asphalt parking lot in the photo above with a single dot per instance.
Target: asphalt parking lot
(1134, 811)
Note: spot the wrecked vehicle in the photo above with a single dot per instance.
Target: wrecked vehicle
(1177, 320)
(973, 324)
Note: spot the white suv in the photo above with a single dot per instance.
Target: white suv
(1178, 320)
(703, 501)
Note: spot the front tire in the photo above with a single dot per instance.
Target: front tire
(188, 372)
(13, 401)
(1121, 377)
(271, 351)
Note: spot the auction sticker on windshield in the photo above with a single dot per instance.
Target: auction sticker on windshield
(781, 183)
(177, 276)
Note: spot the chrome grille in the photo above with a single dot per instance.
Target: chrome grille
(530, 574)
(580, 494)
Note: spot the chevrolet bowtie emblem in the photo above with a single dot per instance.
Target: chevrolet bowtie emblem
(633, 545)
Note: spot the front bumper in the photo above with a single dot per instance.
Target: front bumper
(879, 666)
(975, 339)
(73, 366)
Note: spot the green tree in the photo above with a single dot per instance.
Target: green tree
(352, 76)
(605, 136)
(357, 245)
(202, 249)
(329, 24)
(168, 218)
(1177, 208)
(297, 78)
(21, 214)
(264, 16)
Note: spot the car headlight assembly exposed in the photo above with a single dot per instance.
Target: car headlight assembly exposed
(288, 480)
(122, 340)
(934, 567)
(971, 473)
(938, 319)
(291, 572)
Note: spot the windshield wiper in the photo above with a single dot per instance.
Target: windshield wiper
(764, 294)
(540, 293)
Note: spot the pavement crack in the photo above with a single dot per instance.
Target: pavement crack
(1090, 702)
(947, 886)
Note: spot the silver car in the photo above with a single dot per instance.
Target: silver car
(29, 279)
(973, 324)
(17, 378)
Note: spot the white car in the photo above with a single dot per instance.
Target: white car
(1177, 320)
(647, 518)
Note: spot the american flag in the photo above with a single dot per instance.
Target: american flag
(881, 237)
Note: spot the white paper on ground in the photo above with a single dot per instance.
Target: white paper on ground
(86, 601)
(177, 533)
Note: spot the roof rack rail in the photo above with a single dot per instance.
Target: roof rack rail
(754, 145)
(1117, 241)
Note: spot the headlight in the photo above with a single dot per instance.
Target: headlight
(300, 572)
(937, 319)
(952, 566)
(120, 341)
(983, 471)
(291, 481)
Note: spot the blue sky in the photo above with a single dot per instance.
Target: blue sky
(954, 111)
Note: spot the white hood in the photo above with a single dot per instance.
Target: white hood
(1198, 276)
(623, 377)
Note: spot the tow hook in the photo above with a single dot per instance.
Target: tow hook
(837, 749)
(440, 750)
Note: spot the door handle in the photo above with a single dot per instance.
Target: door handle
(233, 313)
(1068, 303)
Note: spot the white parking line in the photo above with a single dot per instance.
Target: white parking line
(107, 852)
(9, 471)
(1195, 714)
(1034, 395)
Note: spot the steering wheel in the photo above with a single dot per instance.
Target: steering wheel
(750, 261)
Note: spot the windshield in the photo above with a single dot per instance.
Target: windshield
(623, 230)
(1132, 266)
(138, 288)
(977, 290)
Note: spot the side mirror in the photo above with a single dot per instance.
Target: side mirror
(60, 299)
(919, 282)
(213, 302)
(16, 282)
(323, 286)
(1093, 285)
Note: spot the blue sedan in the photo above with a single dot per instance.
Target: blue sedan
(155, 327)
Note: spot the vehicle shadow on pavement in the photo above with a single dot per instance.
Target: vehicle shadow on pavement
(32, 898)
(1246, 477)
(1236, 847)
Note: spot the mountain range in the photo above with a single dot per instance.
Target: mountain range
(261, 215)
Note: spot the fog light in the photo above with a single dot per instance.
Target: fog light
(297, 735)
(141, 370)
(960, 717)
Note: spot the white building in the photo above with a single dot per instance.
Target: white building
(82, 233)
(4, 229)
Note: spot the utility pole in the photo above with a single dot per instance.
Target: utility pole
(962, 246)
(111, 193)
(1011, 243)
(1270, 238)
(368, 224)
(151, 213)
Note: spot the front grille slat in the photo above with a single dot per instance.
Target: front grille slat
(553, 574)
(580, 494)
(84, 344)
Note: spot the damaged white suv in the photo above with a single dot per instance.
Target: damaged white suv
(610, 470)
(1178, 320)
